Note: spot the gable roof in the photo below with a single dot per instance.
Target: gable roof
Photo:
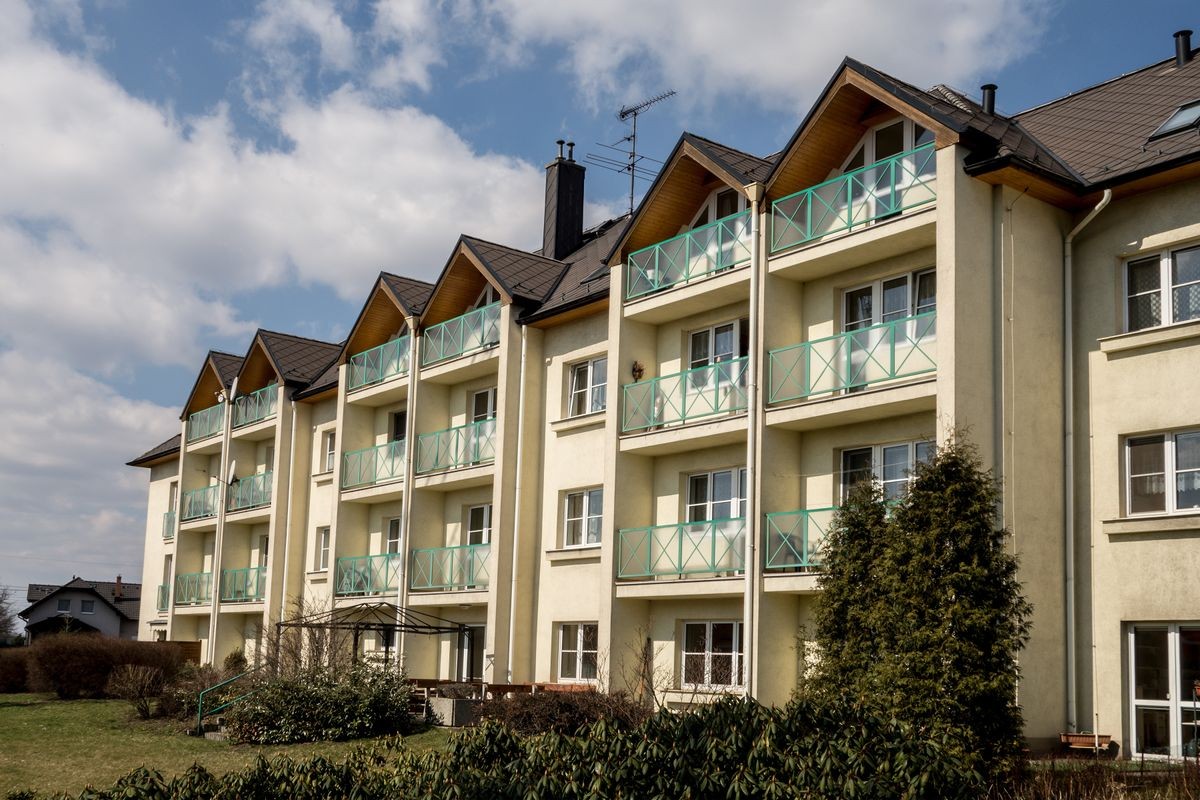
(226, 364)
(523, 275)
(298, 359)
(160, 452)
(586, 279)
(411, 293)
(126, 605)
(743, 166)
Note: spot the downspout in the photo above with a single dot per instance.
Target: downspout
(1069, 451)
(512, 591)
(750, 564)
(287, 528)
(410, 448)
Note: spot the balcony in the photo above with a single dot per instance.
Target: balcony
(456, 337)
(373, 465)
(688, 257)
(854, 360)
(367, 575)
(792, 539)
(253, 491)
(857, 198)
(168, 525)
(464, 446)
(193, 589)
(377, 365)
(450, 568)
(256, 406)
(164, 597)
(206, 423)
(245, 585)
(201, 503)
(682, 550)
(688, 396)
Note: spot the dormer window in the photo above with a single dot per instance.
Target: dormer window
(719, 204)
(1186, 116)
(889, 139)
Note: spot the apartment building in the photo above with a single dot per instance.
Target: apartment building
(613, 460)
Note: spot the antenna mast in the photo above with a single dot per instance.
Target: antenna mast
(632, 112)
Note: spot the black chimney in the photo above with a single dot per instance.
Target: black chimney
(989, 97)
(1183, 47)
(563, 230)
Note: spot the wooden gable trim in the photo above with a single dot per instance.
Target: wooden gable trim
(435, 309)
(257, 346)
(214, 379)
(380, 288)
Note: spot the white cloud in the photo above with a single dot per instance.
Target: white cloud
(408, 35)
(280, 24)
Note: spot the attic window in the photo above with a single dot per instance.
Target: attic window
(1186, 116)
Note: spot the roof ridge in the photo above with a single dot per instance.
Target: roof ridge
(738, 150)
(383, 272)
(224, 353)
(298, 336)
(1094, 86)
(513, 249)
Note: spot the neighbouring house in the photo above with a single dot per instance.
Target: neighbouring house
(105, 607)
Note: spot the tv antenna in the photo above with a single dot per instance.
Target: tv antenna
(632, 162)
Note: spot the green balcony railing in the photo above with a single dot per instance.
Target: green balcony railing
(201, 503)
(686, 548)
(168, 529)
(902, 348)
(206, 423)
(442, 568)
(364, 575)
(372, 465)
(253, 491)
(472, 331)
(464, 446)
(384, 362)
(685, 396)
(256, 406)
(244, 585)
(164, 597)
(856, 198)
(193, 589)
(792, 539)
(689, 256)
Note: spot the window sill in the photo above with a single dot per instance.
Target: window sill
(1149, 337)
(584, 421)
(588, 554)
(323, 478)
(317, 575)
(1158, 523)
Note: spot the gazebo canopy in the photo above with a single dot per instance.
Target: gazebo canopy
(375, 617)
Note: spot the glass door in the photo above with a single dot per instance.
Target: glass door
(1164, 689)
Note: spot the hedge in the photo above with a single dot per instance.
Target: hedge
(76, 665)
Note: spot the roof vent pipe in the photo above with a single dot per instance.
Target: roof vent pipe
(560, 144)
(1183, 47)
(989, 97)
(570, 151)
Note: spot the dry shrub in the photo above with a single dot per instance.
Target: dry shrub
(14, 670)
(138, 684)
(76, 665)
(568, 713)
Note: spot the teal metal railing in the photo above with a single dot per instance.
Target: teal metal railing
(164, 597)
(206, 423)
(363, 575)
(168, 529)
(256, 406)
(245, 585)
(856, 198)
(686, 548)
(253, 491)
(223, 701)
(193, 589)
(689, 256)
(464, 334)
(463, 446)
(200, 503)
(685, 396)
(792, 539)
(381, 363)
(440, 568)
(373, 465)
(901, 348)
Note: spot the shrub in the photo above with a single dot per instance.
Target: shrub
(79, 664)
(567, 713)
(181, 694)
(319, 705)
(136, 683)
(14, 670)
(235, 663)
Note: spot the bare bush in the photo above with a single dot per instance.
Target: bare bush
(137, 683)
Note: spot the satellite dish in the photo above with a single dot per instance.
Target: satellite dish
(232, 470)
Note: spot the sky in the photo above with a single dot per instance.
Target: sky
(175, 175)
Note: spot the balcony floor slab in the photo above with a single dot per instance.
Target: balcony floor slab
(450, 598)
(463, 368)
(385, 393)
(375, 493)
(676, 302)
(891, 400)
(455, 479)
(681, 588)
(911, 231)
(709, 432)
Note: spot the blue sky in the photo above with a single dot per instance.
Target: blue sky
(178, 174)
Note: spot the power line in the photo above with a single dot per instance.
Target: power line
(631, 163)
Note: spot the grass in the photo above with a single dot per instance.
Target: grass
(53, 745)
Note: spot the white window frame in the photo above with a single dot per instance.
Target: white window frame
(59, 605)
(83, 607)
(867, 143)
(1166, 305)
(576, 647)
(708, 209)
(1171, 473)
(328, 450)
(393, 533)
(877, 454)
(1177, 704)
(321, 560)
(491, 404)
(487, 296)
(737, 658)
(591, 391)
(912, 280)
(592, 507)
(738, 499)
(485, 532)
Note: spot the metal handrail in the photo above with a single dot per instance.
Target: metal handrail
(378, 364)
(193, 588)
(466, 333)
(200, 503)
(243, 584)
(168, 524)
(252, 491)
(460, 446)
(255, 406)
(688, 256)
(365, 575)
(371, 465)
(686, 396)
(461, 566)
(682, 549)
(201, 713)
(789, 541)
(205, 423)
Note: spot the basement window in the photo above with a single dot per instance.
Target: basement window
(1186, 116)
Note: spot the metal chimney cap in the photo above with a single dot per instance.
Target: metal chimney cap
(560, 143)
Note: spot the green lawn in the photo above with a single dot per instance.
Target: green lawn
(53, 745)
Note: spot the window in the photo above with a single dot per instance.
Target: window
(718, 205)
(87, 606)
(399, 426)
(577, 651)
(64, 605)
(483, 405)
(582, 518)
(890, 464)
(486, 297)
(712, 654)
(1186, 116)
(173, 497)
(1163, 473)
(890, 300)
(718, 348)
(589, 387)
(1163, 658)
(479, 524)
(329, 448)
(322, 559)
(716, 495)
(393, 535)
(269, 458)
(264, 551)
(1162, 289)
(887, 140)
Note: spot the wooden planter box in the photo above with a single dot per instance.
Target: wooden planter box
(1084, 741)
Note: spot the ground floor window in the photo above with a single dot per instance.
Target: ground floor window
(1164, 665)
(712, 655)
(577, 651)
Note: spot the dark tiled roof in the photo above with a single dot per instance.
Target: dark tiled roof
(326, 380)
(587, 276)
(524, 275)
(167, 448)
(743, 166)
(228, 365)
(299, 359)
(1103, 131)
(127, 605)
(412, 293)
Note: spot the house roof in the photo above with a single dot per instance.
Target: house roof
(298, 359)
(227, 366)
(586, 278)
(524, 275)
(126, 605)
(745, 167)
(411, 293)
(157, 453)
